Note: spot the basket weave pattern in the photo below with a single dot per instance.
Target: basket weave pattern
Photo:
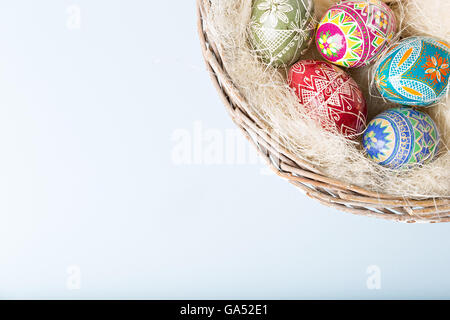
(328, 191)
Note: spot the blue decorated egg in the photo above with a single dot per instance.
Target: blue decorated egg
(415, 72)
(401, 137)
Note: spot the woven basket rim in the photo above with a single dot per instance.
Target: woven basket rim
(328, 191)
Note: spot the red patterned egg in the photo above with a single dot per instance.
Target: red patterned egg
(330, 95)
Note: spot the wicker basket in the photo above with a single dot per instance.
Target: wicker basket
(326, 190)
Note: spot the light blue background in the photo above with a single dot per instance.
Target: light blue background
(87, 177)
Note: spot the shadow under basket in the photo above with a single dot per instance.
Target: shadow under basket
(328, 191)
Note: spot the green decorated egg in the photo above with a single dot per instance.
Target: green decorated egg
(281, 30)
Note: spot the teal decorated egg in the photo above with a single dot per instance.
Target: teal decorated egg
(415, 72)
(401, 137)
(281, 30)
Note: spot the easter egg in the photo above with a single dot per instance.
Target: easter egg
(353, 33)
(330, 95)
(414, 72)
(281, 30)
(401, 137)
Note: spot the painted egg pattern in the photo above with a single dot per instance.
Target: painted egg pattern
(353, 33)
(415, 72)
(401, 137)
(330, 95)
(281, 30)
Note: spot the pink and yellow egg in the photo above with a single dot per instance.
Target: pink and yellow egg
(353, 33)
